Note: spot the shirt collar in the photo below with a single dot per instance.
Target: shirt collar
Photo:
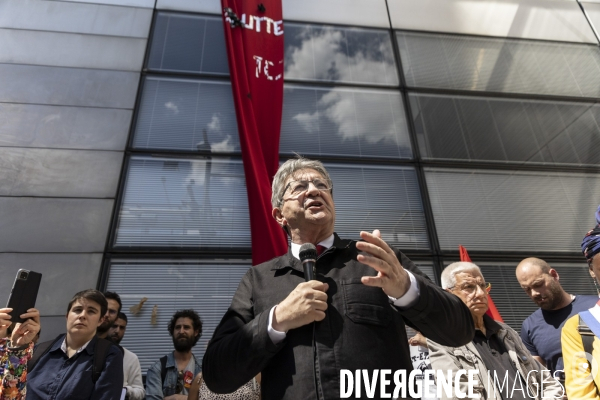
(327, 243)
(491, 326)
(63, 346)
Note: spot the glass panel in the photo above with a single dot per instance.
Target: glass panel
(524, 131)
(379, 197)
(346, 122)
(188, 43)
(512, 210)
(335, 54)
(183, 114)
(184, 203)
(499, 65)
(428, 269)
(205, 286)
(512, 302)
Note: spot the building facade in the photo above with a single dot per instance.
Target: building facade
(442, 122)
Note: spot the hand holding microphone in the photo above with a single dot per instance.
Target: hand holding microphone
(307, 302)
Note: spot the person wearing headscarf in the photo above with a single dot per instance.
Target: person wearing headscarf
(579, 335)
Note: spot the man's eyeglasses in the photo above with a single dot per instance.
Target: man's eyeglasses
(297, 188)
(471, 288)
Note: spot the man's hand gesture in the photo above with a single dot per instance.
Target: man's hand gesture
(391, 277)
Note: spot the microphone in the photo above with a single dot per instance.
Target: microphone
(308, 257)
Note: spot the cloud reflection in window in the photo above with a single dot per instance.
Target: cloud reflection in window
(347, 122)
(339, 54)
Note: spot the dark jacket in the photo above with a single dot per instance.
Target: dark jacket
(361, 330)
(57, 376)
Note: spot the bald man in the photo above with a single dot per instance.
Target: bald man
(541, 330)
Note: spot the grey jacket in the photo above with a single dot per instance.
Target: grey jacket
(467, 357)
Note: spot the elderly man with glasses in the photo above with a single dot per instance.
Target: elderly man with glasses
(506, 369)
(301, 333)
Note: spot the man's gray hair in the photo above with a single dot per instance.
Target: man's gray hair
(449, 273)
(289, 168)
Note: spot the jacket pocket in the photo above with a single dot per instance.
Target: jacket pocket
(465, 358)
(365, 304)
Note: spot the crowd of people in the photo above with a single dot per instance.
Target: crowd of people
(88, 362)
(286, 336)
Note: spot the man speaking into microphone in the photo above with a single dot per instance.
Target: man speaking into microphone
(351, 315)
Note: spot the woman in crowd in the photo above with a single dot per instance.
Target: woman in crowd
(15, 351)
(579, 337)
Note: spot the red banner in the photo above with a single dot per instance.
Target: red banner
(254, 38)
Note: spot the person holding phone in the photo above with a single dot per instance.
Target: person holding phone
(15, 351)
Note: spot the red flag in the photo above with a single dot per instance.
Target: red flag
(464, 256)
(492, 310)
(254, 38)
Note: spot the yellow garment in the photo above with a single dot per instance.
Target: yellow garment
(578, 379)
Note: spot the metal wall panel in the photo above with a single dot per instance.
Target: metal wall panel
(74, 272)
(346, 12)
(48, 225)
(31, 125)
(177, 40)
(592, 10)
(59, 173)
(59, 16)
(68, 86)
(505, 211)
(531, 19)
(499, 65)
(71, 50)
(126, 3)
(506, 130)
(201, 6)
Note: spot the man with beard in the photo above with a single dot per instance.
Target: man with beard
(171, 377)
(541, 330)
(114, 308)
(132, 372)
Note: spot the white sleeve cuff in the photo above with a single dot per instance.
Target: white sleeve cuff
(408, 300)
(276, 336)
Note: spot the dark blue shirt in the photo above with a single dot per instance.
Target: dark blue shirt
(540, 332)
(57, 377)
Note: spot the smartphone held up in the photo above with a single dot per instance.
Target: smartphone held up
(24, 293)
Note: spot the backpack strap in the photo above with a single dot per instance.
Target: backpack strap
(163, 369)
(40, 350)
(590, 317)
(100, 352)
(587, 336)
